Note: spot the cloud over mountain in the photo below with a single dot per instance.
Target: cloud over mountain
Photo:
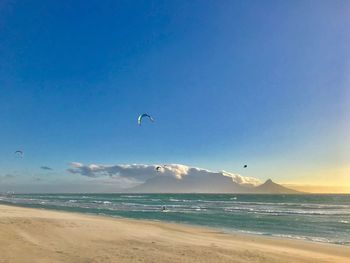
(140, 173)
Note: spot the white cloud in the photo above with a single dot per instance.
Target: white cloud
(139, 173)
(242, 179)
(75, 164)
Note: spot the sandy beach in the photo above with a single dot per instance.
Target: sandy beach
(36, 235)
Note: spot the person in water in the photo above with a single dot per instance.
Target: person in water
(163, 208)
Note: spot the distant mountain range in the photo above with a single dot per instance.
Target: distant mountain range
(207, 184)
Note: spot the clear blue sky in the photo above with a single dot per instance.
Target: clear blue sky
(263, 83)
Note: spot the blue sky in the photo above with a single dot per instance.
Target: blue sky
(263, 83)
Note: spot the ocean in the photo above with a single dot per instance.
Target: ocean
(321, 218)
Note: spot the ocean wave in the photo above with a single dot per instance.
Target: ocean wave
(300, 237)
(133, 196)
(293, 236)
(287, 212)
(198, 208)
(97, 201)
(250, 232)
(304, 205)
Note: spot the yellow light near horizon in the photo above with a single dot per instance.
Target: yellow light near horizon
(325, 181)
(320, 189)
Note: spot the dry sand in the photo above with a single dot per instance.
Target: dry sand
(35, 235)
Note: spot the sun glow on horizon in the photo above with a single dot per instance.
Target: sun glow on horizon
(320, 189)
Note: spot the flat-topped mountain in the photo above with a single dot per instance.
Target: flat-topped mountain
(204, 184)
(207, 184)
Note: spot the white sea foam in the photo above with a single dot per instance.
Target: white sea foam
(133, 196)
(315, 239)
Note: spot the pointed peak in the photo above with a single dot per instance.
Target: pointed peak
(270, 187)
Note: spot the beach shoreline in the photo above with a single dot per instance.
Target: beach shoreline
(41, 235)
(212, 228)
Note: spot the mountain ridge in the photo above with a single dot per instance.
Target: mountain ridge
(208, 184)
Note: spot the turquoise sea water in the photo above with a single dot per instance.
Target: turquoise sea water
(322, 218)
